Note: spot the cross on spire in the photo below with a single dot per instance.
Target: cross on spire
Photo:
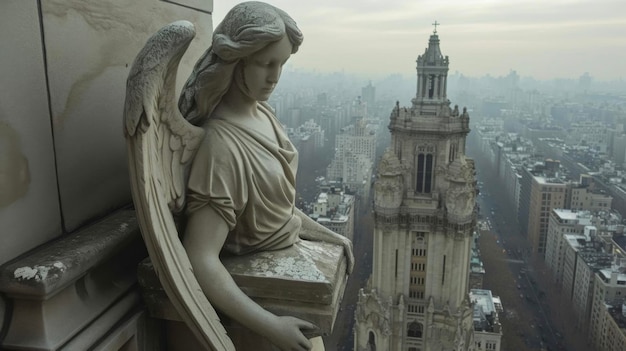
(436, 24)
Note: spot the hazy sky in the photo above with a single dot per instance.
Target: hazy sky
(541, 38)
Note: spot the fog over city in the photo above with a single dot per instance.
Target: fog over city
(542, 39)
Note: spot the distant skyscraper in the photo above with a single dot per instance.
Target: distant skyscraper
(355, 150)
(424, 206)
(368, 95)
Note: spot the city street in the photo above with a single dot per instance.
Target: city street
(536, 314)
(342, 338)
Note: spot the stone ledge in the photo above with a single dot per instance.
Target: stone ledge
(58, 289)
(51, 267)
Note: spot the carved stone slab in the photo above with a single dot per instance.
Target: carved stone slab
(306, 272)
(306, 281)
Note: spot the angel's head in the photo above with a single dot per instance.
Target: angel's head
(243, 39)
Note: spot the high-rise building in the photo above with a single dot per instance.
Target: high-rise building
(618, 148)
(564, 226)
(355, 152)
(579, 246)
(424, 207)
(542, 189)
(608, 306)
(368, 94)
(588, 199)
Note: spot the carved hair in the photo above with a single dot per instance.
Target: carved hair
(247, 28)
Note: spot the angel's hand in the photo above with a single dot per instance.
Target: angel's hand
(347, 250)
(286, 333)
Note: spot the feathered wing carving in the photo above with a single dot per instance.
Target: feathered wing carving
(161, 144)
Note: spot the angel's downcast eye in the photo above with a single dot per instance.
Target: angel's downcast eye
(264, 63)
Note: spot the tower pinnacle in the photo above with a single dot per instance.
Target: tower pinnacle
(436, 24)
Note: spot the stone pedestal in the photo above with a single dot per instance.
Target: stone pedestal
(306, 281)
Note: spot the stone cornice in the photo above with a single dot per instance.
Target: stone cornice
(60, 289)
(415, 219)
(49, 268)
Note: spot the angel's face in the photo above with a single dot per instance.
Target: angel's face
(261, 71)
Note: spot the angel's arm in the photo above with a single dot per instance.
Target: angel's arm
(205, 235)
(311, 230)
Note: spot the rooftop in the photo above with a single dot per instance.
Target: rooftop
(485, 315)
(618, 313)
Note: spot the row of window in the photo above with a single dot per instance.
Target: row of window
(551, 189)
(489, 345)
(418, 280)
(419, 252)
(416, 309)
(416, 294)
(419, 267)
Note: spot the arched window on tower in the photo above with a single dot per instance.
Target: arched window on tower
(371, 343)
(453, 152)
(414, 330)
(424, 179)
(431, 86)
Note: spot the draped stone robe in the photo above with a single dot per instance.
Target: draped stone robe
(249, 179)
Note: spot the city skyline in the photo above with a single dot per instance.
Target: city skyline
(558, 39)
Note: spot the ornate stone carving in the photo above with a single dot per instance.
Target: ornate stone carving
(223, 105)
(455, 112)
(460, 196)
(389, 185)
(372, 309)
(460, 200)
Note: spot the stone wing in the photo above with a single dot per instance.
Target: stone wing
(161, 144)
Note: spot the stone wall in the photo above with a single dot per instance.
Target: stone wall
(63, 74)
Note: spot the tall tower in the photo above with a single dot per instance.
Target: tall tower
(424, 206)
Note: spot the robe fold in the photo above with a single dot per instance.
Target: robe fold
(249, 179)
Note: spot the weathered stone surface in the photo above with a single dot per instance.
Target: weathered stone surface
(251, 204)
(60, 289)
(200, 5)
(46, 270)
(306, 280)
(90, 46)
(29, 201)
(305, 272)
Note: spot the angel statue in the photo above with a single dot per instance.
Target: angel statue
(223, 160)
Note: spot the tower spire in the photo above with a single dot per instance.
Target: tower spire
(436, 24)
(432, 72)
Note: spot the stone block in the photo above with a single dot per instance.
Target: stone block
(29, 201)
(306, 280)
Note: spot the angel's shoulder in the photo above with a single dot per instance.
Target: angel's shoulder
(218, 138)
